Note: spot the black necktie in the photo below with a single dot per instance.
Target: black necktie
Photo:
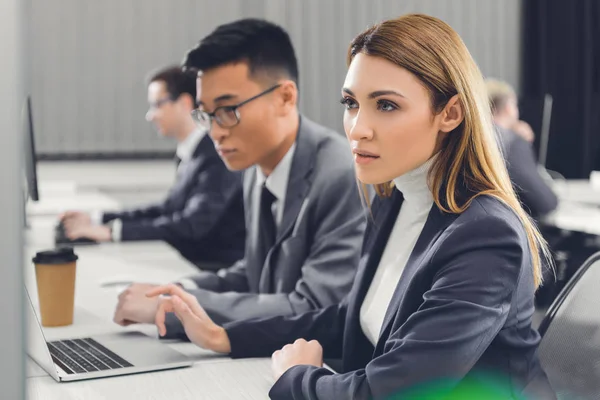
(179, 164)
(266, 224)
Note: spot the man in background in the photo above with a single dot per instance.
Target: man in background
(303, 211)
(516, 137)
(202, 216)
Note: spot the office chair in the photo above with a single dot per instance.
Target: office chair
(570, 346)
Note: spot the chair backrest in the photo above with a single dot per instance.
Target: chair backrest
(570, 346)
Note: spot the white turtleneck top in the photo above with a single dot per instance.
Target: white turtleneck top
(403, 237)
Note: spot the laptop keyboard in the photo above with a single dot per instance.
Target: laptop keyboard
(84, 355)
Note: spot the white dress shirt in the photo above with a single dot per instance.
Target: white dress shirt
(277, 183)
(184, 151)
(407, 229)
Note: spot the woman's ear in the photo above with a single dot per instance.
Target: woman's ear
(452, 114)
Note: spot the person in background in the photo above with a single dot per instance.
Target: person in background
(505, 109)
(516, 137)
(202, 216)
(303, 209)
(443, 299)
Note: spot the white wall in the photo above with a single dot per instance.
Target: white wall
(90, 57)
(12, 360)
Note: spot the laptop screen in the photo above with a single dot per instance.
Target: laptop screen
(36, 343)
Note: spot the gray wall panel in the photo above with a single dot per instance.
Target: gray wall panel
(13, 33)
(89, 59)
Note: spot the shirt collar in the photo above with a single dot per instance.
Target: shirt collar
(277, 181)
(185, 150)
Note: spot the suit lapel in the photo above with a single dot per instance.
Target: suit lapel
(383, 215)
(203, 152)
(299, 183)
(252, 205)
(436, 222)
(379, 231)
(188, 170)
(300, 178)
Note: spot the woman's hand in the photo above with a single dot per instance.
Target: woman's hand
(199, 328)
(299, 353)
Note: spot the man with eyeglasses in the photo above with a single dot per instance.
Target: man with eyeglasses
(202, 216)
(304, 217)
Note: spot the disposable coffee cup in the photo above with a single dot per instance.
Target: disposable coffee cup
(55, 276)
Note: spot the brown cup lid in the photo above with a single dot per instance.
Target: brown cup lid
(61, 255)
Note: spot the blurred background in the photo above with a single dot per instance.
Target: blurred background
(87, 77)
(87, 83)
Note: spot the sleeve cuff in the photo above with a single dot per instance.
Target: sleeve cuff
(96, 217)
(116, 230)
(187, 284)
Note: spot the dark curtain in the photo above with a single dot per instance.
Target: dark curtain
(561, 56)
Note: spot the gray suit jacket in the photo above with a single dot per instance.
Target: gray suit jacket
(536, 196)
(314, 259)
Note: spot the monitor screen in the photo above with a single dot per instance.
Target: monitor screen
(30, 156)
(537, 112)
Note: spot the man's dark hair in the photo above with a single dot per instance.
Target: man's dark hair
(266, 48)
(177, 81)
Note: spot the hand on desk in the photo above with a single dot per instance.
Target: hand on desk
(76, 217)
(203, 332)
(199, 328)
(135, 307)
(300, 352)
(79, 225)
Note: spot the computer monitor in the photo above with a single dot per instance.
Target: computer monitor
(537, 112)
(30, 156)
(545, 130)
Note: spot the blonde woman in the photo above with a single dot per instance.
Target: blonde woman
(443, 298)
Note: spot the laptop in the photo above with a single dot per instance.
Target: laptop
(98, 356)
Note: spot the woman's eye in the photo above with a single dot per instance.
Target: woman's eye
(386, 106)
(348, 103)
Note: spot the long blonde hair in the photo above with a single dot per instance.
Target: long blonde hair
(470, 156)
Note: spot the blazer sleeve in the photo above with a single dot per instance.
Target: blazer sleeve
(146, 212)
(214, 189)
(326, 275)
(466, 306)
(535, 194)
(232, 279)
(261, 337)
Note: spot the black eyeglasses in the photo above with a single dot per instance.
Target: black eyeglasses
(225, 116)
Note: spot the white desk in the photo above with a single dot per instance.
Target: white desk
(577, 191)
(54, 206)
(212, 376)
(575, 217)
(243, 379)
(99, 175)
(95, 185)
(579, 207)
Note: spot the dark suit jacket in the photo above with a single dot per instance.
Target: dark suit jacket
(537, 197)
(202, 216)
(314, 259)
(461, 312)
